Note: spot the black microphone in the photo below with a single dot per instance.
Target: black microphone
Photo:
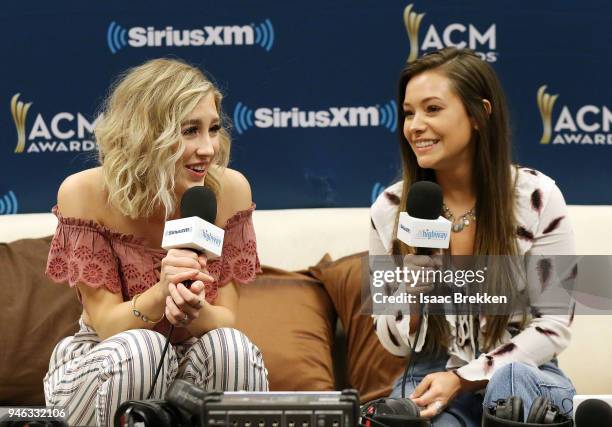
(593, 412)
(421, 226)
(424, 200)
(201, 202)
(196, 230)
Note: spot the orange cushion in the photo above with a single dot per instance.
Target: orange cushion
(290, 317)
(371, 368)
(36, 314)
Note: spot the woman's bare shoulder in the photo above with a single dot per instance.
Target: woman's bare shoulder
(235, 194)
(82, 195)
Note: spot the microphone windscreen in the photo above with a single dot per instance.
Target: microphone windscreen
(199, 201)
(424, 200)
(593, 412)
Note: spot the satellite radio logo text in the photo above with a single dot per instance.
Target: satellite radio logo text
(275, 117)
(262, 34)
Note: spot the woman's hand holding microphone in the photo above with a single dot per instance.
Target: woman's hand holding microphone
(419, 284)
(183, 304)
(421, 267)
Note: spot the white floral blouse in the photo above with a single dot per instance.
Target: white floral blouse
(543, 229)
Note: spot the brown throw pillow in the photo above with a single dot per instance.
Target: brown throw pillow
(290, 317)
(36, 313)
(371, 369)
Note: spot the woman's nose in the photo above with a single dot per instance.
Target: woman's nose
(205, 146)
(417, 124)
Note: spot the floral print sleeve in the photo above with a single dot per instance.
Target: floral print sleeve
(81, 253)
(239, 260)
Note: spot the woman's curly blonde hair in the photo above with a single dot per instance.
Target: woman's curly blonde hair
(139, 135)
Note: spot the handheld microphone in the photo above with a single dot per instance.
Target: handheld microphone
(422, 226)
(593, 412)
(196, 228)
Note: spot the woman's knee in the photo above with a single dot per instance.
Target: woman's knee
(228, 341)
(234, 355)
(135, 342)
(515, 378)
(527, 382)
(136, 350)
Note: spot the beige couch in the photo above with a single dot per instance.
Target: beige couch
(297, 239)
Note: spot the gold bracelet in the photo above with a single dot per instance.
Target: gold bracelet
(141, 316)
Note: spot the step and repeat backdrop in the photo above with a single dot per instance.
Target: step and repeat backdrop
(309, 87)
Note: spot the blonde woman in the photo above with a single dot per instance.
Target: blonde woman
(161, 133)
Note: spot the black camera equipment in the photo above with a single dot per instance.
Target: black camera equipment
(181, 408)
(188, 405)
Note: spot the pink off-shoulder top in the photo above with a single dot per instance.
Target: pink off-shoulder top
(87, 252)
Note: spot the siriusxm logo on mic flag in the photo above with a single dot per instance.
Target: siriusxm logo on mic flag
(8, 204)
(296, 117)
(424, 233)
(262, 34)
(193, 233)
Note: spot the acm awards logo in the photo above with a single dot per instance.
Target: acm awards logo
(588, 124)
(482, 41)
(64, 132)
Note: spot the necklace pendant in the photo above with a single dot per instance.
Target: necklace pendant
(457, 227)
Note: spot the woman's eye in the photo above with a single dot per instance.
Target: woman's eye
(192, 130)
(433, 108)
(408, 113)
(215, 128)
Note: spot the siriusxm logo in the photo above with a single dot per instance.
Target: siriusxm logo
(261, 34)
(432, 235)
(403, 227)
(210, 238)
(8, 204)
(179, 231)
(266, 117)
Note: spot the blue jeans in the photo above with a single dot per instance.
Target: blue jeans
(516, 379)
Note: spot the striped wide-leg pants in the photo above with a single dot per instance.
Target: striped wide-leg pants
(90, 378)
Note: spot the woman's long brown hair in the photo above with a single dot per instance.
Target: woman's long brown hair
(472, 80)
